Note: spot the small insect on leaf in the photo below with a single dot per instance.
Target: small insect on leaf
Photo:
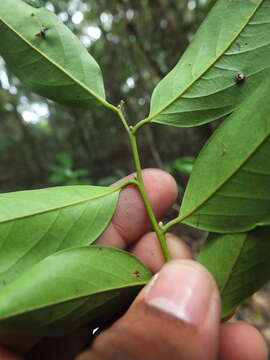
(42, 33)
(239, 78)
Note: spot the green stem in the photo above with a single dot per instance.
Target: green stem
(171, 223)
(140, 184)
(125, 183)
(156, 227)
(139, 125)
(122, 118)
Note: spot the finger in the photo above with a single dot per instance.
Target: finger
(241, 341)
(130, 220)
(176, 314)
(148, 250)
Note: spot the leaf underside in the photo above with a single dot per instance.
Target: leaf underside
(70, 288)
(35, 224)
(51, 62)
(229, 188)
(239, 264)
(234, 39)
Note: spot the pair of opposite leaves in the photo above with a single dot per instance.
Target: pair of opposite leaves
(201, 88)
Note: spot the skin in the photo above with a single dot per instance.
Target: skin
(146, 331)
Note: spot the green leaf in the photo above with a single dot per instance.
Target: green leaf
(41, 51)
(57, 178)
(184, 164)
(81, 172)
(65, 160)
(71, 288)
(239, 264)
(35, 224)
(234, 39)
(229, 187)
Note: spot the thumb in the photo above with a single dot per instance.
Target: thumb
(175, 315)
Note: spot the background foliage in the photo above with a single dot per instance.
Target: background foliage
(136, 44)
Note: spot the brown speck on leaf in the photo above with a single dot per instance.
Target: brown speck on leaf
(42, 33)
(137, 273)
(32, 14)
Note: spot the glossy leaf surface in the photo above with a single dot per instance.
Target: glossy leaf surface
(47, 56)
(229, 188)
(233, 42)
(71, 288)
(35, 224)
(239, 264)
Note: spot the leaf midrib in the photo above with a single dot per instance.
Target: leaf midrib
(150, 118)
(59, 67)
(60, 206)
(225, 180)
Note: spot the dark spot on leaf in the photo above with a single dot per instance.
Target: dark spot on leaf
(42, 33)
(239, 45)
(137, 273)
(32, 14)
(239, 78)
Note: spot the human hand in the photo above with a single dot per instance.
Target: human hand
(176, 315)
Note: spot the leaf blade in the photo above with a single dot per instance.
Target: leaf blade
(229, 175)
(239, 264)
(202, 86)
(57, 65)
(50, 302)
(37, 223)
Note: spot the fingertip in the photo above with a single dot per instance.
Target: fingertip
(176, 313)
(148, 250)
(241, 341)
(165, 186)
(178, 248)
(130, 220)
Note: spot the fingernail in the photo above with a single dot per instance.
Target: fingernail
(182, 289)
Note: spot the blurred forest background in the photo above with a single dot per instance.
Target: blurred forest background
(136, 43)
